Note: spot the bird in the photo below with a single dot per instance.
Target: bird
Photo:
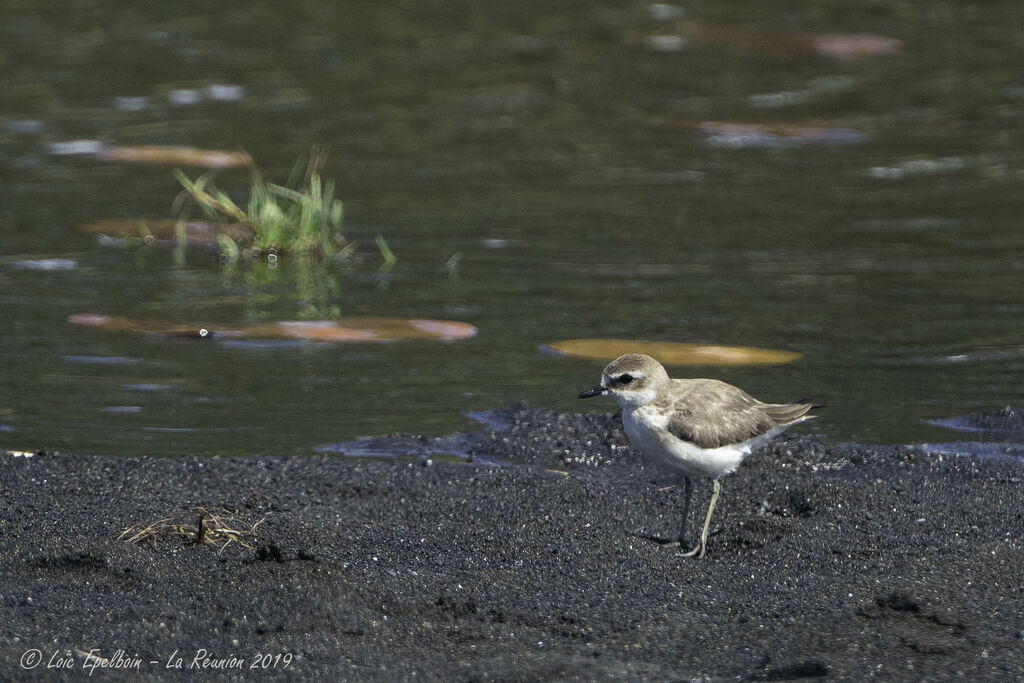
(692, 427)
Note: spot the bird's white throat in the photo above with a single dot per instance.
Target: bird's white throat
(635, 398)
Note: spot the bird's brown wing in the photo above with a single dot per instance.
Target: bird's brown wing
(710, 414)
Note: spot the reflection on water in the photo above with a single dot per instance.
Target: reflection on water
(1011, 453)
(543, 173)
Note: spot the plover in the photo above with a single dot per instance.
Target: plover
(691, 427)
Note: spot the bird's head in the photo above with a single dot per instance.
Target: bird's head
(633, 380)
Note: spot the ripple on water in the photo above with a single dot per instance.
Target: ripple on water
(147, 387)
(46, 264)
(196, 430)
(266, 344)
(1004, 452)
(1006, 422)
(457, 447)
(101, 360)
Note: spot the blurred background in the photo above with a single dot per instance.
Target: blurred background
(840, 180)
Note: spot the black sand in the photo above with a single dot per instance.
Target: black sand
(842, 561)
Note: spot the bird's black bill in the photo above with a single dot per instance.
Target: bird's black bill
(596, 391)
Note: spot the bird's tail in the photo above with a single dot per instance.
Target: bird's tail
(788, 413)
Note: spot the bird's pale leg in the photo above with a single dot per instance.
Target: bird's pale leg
(702, 544)
(707, 520)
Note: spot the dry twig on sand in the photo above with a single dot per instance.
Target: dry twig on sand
(216, 528)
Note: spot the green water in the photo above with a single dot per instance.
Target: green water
(560, 158)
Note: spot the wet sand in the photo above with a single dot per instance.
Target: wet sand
(825, 560)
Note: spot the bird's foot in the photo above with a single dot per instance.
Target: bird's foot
(697, 550)
(681, 544)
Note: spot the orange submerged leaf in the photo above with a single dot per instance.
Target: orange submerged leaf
(672, 353)
(345, 330)
(196, 232)
(177, 156)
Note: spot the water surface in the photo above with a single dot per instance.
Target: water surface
(558, 153)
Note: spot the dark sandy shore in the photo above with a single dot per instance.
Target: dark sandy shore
(826, 560)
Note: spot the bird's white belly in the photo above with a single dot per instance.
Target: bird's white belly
(647, 431)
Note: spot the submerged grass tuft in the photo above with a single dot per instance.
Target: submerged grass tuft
(302, 218)
(305, 220)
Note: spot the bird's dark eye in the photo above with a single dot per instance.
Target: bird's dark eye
(625, 379)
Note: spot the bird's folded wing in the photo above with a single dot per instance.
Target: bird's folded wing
(711, 414)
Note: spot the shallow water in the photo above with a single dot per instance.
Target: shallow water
(559, 154)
